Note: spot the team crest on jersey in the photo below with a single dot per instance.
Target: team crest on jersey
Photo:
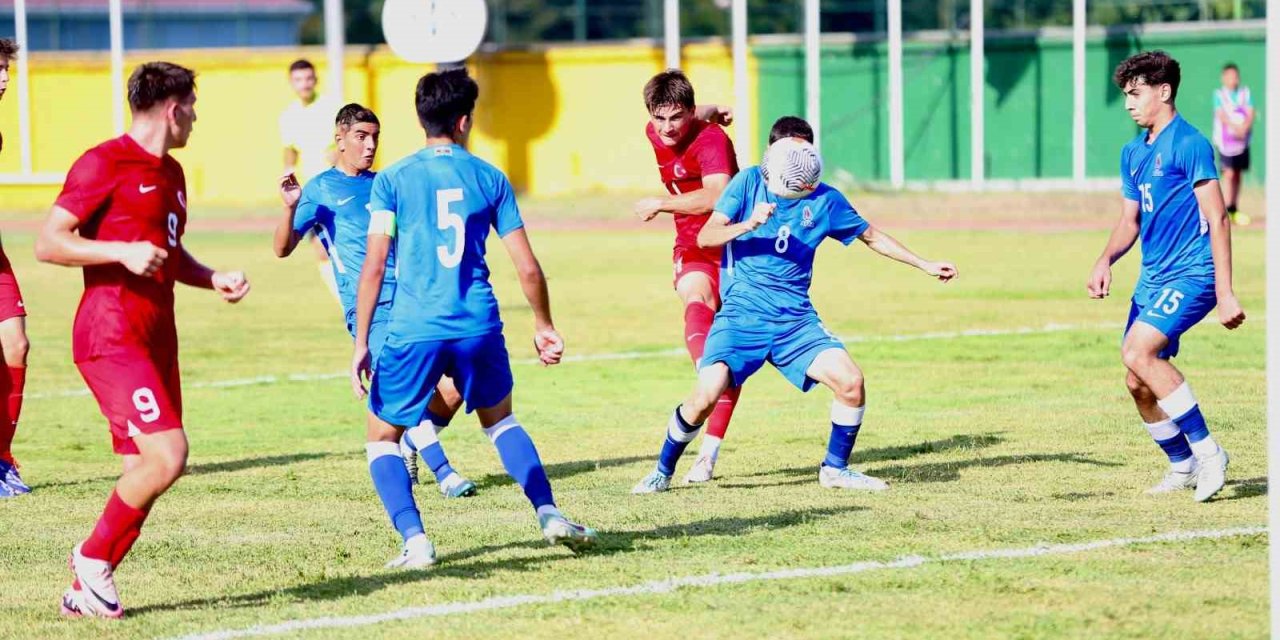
(806, 218)
(679, 171)
(1159, 171)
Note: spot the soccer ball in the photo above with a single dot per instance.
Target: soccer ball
(791, 168)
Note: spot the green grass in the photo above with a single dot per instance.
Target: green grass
(989, 443)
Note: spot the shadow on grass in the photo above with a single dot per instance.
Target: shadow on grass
(561, 470)
(886, 454)
(226, 466)
(1247, 488)
(469, 565)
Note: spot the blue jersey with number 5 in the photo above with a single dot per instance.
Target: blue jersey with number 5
(1161, 177)
(771, 267)
(441, 203)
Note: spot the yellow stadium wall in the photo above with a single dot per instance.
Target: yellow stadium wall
(559, 120)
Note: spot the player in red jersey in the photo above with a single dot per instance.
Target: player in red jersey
(13, 340)
(121, 215)
(695, 160)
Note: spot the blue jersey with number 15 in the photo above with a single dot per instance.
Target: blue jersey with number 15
(1161, 177)
(440, 204)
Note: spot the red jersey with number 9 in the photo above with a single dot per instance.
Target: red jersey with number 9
(122, 193)
(707, 150)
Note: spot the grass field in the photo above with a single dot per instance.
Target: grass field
(990, 442)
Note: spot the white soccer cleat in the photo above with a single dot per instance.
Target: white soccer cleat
(655, 482)
(559, 530)
(847, 478)
(456, 486)
(1175, 481)
(410, 461)
(702, 471)
(97, 594)
(1212, 476)
(417, 553)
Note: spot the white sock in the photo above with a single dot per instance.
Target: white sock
(1205, 448)
(710, 447)
(549, 510)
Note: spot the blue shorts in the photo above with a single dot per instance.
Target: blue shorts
(407, 374)
(744, 344)
(377, 327)
(1173, 308)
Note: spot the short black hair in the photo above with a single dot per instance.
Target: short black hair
(1151, 68)
(790, 127)
(669, 88)
(1231, 66)
(8, 48)
(353, 113)
(154, 82)
(444, 96)
(300, 64)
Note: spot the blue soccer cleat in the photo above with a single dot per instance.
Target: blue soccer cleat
(456, 486)
(655, 482)
(12, 481)
(559, 530)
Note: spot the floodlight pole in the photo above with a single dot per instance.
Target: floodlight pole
(334, 43)
(1273, 294)
(671, 32)
(897, 152)
(24, 86)
(1078, 20)
(116, 26)
(741, 94)
(977, 86)
(813, 68)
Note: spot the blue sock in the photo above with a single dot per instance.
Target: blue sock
(679, 435)
(846, 421)
(1173, 442)
(424, 440)
(391, 480)
(1181, 406)
(520, 458)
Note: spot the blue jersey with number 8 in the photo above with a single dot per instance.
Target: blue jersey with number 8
(440, 204)
(1161, 178)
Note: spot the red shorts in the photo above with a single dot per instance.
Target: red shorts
(137, 393)
(11, 305)
(686, 260)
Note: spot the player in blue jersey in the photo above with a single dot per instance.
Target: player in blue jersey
(438, 206)
(335, 205)
(1173, 203)
(770, 220)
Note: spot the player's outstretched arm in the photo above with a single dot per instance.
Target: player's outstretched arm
(1123, 235)
(233, 286)
(718, 231)
(286, 239)
(889, 247)
(1209, 196)
(699, 202)
(59, 243)
(370, 287)
(533, 282)
(714, 113)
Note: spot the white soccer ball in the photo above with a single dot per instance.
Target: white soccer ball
(791, 168)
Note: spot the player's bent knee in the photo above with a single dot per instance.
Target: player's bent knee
(14, 343)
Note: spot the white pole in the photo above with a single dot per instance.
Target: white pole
(741, 96)
(334, 43)
(897, 152)
(24, 87)
(116, 24)
(813, 68)
(1273, 295)
(977, 86)
(671, 32)
(1078, 17)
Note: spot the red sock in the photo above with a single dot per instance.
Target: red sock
(697, 322)
(116, 531)
(718, 423)
(16, 382)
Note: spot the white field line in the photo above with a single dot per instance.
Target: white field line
(624, 355)
(710, 580)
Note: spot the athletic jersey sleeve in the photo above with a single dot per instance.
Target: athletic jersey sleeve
(1127, 186)
(1196, 156)
(846, 225)
(382, 206)
(715, 155)
(732, 202)
(88, 185)
(304, 217)
(506, 213)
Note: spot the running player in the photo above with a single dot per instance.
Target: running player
(335, 206)
(13, 340)
(438, 206)
(1171, 199)
(121, 216)
(773, 223)
(695, 161)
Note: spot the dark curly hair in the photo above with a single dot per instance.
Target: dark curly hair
(1151, 68)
